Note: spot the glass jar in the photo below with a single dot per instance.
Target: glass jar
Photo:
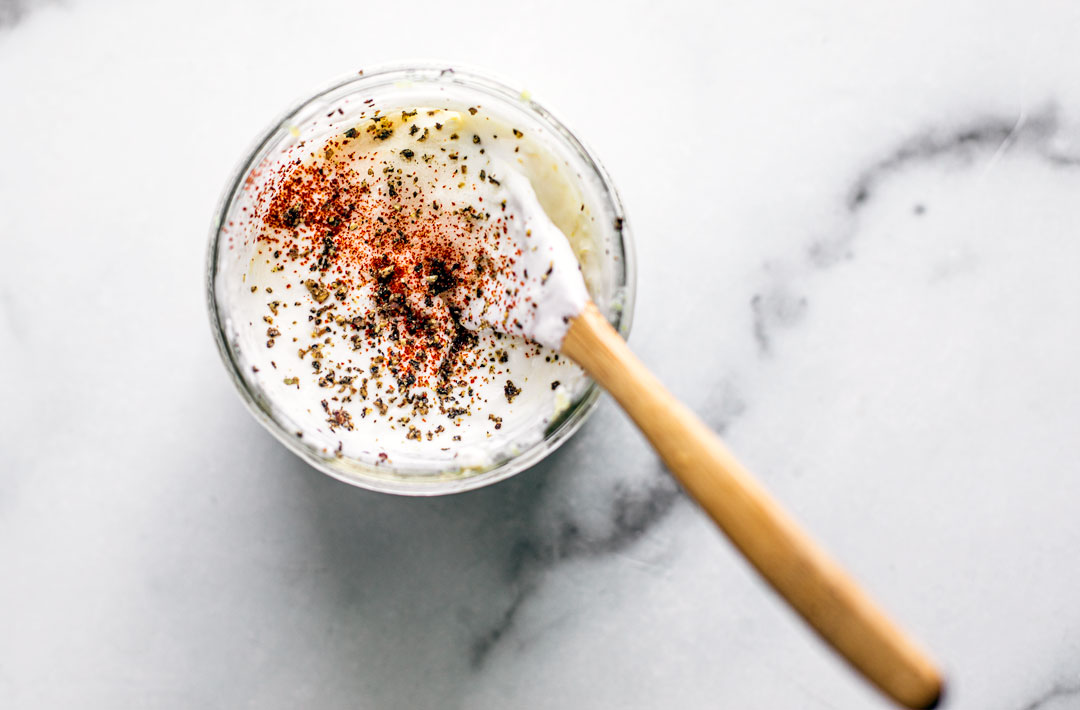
(390, 88)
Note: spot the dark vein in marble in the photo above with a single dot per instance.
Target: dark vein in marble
(636, 509)
(483, 644)
(1058, 692)
(964, 143)
(777, 307)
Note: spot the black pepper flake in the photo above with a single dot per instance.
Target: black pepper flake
(316, 290)
(338, 418)
(351, 133)
(408, 153)
(517, 133)
(511, 391)
(555, 384)
(291, 218)
(476, 139)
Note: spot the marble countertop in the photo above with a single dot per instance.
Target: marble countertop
(858, 231)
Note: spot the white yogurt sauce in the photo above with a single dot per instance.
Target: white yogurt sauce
(408, 278)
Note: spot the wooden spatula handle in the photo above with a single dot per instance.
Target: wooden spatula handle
(826, 597)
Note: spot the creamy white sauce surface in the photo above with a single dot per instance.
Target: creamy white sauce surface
(408, 278)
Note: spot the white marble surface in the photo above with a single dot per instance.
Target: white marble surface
(859, 236)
